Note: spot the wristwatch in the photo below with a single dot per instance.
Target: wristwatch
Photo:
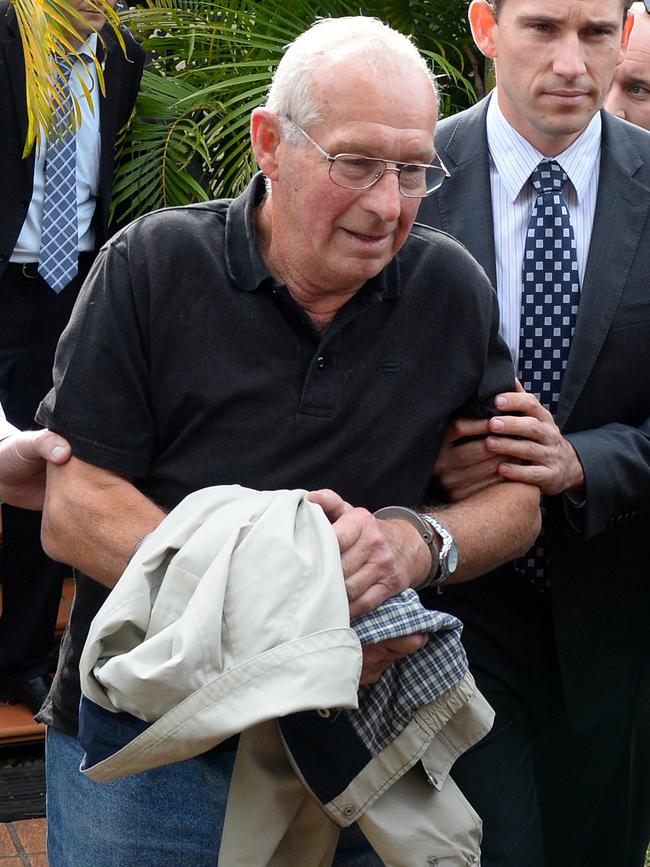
(425, 530)
(447, 554)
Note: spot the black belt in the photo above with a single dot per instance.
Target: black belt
(29, 270)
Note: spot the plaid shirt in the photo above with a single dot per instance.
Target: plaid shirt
(387, 706)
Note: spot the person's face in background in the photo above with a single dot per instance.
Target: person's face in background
(92, 19)
(629, 96)
(555, 61)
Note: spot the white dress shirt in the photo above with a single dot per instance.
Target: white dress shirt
(6, 429)
(512, 160)
(28, 244)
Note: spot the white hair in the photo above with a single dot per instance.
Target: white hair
(328, 40)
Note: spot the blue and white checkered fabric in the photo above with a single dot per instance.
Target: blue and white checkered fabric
(387, 707)
(59, 253)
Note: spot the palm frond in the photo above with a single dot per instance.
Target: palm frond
(49, 28)
(224, 54)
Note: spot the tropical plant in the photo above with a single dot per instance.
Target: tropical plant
(212, 64)
(49, 28)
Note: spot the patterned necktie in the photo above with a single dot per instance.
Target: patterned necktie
(57, 262)
(549, 306)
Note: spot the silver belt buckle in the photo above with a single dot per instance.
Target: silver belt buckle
(24, 268)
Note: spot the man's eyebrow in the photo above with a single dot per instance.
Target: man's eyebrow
(545, 18)
(539, 18)
(634, 78)
(368, 150)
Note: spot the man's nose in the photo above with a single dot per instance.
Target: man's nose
(384, 197)
(568, 61)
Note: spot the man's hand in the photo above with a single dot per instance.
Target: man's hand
(23, 459)
(539, 455)
(378, 657)
(465, 468)
(380, 558)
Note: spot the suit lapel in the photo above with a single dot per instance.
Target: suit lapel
(111, 57)
(16, 69)
(614, 241)
(107, 110)
(465, 198)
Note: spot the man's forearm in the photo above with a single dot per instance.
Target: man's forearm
(492, 527)
(93, 519)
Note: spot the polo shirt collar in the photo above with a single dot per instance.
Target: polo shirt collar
(244, 261)
(515, 158)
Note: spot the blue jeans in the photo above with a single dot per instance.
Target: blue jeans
(167, 817)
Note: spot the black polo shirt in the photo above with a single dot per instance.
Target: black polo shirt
(186, 365)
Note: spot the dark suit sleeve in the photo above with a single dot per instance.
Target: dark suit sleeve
(607, 418)
(616, 463)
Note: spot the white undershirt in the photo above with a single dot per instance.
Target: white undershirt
(28, 244)
(512, 159)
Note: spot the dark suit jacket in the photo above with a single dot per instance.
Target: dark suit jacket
(600, 572)
(122, 76)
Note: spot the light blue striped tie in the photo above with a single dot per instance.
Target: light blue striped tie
(57, 262)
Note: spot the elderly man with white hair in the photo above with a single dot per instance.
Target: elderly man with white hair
(304, 335)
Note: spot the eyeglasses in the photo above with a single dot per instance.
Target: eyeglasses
(355, 172)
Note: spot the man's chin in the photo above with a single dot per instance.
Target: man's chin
(360, 270)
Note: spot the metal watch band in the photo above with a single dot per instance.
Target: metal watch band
(423, 528)
(448, 554)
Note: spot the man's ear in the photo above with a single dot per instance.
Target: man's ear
(628, 27)
(484, 25)
(265, 138)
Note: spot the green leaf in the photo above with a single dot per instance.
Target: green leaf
(213, 63)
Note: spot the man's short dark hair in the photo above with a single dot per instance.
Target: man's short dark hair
(498, 4)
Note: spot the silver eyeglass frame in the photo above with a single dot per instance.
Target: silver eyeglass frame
(388, 166)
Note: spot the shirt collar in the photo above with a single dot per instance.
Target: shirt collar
(89, 47)
(244, 261)
(245, 264)
(85, 52)
(515, 158)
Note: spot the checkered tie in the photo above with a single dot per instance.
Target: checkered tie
(549, 306)
(57, 262)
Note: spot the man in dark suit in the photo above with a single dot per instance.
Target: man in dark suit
(629, 98)
(558, 657)
(47, 206)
